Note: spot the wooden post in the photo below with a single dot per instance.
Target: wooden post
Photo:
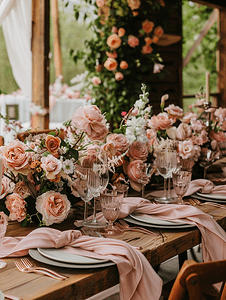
(40, 60)
(221, 63)
(56, 41)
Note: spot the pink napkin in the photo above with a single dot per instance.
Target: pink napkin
(3, 227)
(206, 187)
(138, 280)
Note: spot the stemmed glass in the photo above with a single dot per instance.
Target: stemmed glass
(166, 161)
(98, 179)
(147, 169)
(111, 201)
(181, 180)
(82, 188)
(207, 158)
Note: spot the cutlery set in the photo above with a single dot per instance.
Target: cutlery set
(194, 202)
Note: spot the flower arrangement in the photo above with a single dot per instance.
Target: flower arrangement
(123, 52)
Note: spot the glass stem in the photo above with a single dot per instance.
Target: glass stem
(85, 212)
(165, 188)
(169, 191)
(143, 191)
(94, 210)
(204, 175)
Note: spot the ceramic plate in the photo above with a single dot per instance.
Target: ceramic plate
(62, 256)
(153, 221)
(37, 256)
(202, 198)
(133, 221)
(212, 196)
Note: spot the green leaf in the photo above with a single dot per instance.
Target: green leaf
(24, 223)
(74, 153)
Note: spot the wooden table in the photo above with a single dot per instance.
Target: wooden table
(82, 284)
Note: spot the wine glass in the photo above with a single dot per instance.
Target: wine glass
(166, 162)
(207, 158)
(148, 169)
(181, 180)
(98, 179)
(111, 201)
(82, 188)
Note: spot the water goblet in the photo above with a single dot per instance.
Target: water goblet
(148, 169)
(111, 201)
(166, 163)
(83, 190)
(181, 180)
(207, 158)
(98, 179)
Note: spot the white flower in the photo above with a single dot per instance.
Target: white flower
(68, 166)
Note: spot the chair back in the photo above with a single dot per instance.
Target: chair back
(196, 280)
(23, 135)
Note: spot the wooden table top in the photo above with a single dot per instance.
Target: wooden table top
(82, 284)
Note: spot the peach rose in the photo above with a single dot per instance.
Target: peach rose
(133, 41)
(134, 4)
(3, 225)
(160, 122)
(155, 39)
(183, 132)
(135, 13)
(186, 149)
(158, 31)
(152, 136)
(90, 120)
(51, 165)
(114, 41)
(147, 49)
(174, 111)
(118, 76)
(110, 64)
(7, 187)
(96, 80)
(22, 189)
(123, 65)
(100, 3)
(16, 207)
(53, 206)
(147, 26)
(53, 144)
(137, 173)
(218, 136)
(109, 148)
(148, 40)
(112, 54)
(15, 157)
(121, 32)
(120, 141)
(114, 29)
(138, 150)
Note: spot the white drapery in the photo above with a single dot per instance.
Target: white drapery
(16, 21)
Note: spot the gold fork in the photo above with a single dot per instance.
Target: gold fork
(21, 267)
(124, 226)
(195, 201)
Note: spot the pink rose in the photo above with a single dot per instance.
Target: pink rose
(114, 41)
(188, 116)
(53, 206)
(174, 111)
(183, 132)
(53, 144)
(110, 150)
(218, 136)
(90, 120)
(201, 138)
(133, 41)
(15, 157)
(96, 80)
(3, 225)
(22, 189)
(152, 136)
(137, 173)
(7, 187)
(134, 4)
(147, 26)
(160, 122)
(120, 141)
(155, 39)
(138, 150)
(16, 207)
(123, 65)
(147, 49)
(148, 40)
(158, 31)
(114, 29)
(118, 76)
(111, 64)
(51, 165)
(186, 149)
(220, 113)
(121, 32)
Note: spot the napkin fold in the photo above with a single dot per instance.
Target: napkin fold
(206, 187)
(138, 280)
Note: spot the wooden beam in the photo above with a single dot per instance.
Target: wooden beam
(212, 19)
(56, 41)
(212, 3)
(221, 64)
(40, 60)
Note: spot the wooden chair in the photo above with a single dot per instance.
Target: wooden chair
(23, 135)
(195, 280)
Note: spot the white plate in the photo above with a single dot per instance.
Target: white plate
(153, 221)
(133, 221)
(37, 256)
(62, 256)
(208, 199)
(212, 196)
